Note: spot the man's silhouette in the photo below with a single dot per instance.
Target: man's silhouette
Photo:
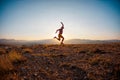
(60, 33)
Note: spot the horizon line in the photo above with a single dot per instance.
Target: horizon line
(53, 39)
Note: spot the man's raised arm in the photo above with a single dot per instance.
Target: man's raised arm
(62, 24)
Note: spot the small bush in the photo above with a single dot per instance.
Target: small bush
(7, 60)
(5, 63)
(100, 60)
(27, 50)
(2, 51)
(15, 57)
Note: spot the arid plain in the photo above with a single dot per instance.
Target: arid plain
(60, 62)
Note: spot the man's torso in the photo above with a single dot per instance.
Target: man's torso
(60, 31)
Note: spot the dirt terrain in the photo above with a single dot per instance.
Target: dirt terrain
(63, 62)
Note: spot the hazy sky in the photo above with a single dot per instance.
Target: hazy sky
(39, 19)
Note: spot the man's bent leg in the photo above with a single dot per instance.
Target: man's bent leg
(59, 36)
(62, 39)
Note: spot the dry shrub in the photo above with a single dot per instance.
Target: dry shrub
(57, 55)
(96, 50)
(50, 55)
(2, 51)
(27, 50)
(44, 72)
(65, 64)
(92, 76)
(100, 60)
(116, 70)
(7, 60)
(43, 54)
(5, 63)
(15, 57)
(76, 72)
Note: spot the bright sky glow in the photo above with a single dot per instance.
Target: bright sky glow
(39, 19)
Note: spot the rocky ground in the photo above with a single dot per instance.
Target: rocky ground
(67, 62)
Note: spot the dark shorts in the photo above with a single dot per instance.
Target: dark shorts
(60, 36)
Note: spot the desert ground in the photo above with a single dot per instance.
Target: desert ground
(60, 62)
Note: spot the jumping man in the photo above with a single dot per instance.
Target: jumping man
(60, 33)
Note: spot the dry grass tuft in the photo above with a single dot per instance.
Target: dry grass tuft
(27, 50)
(100, 60)
(15, 57)
(5, 64)
(7, 60)
(50, 55)
(2, 51)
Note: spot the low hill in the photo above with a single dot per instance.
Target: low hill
(87, 41)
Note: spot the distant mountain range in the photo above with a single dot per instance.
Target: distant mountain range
(52, 41)
(87, 41)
